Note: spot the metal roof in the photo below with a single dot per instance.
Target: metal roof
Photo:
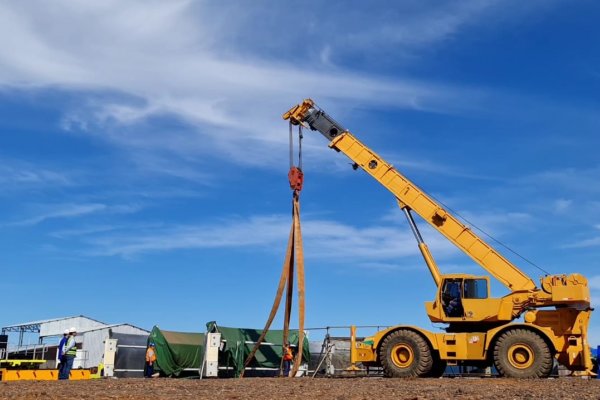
(114, 326)
(53, 327)
(34, 326)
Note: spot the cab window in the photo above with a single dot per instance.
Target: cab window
(475, 289)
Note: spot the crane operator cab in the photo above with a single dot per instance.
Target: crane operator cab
(460, 296)
(452, 299)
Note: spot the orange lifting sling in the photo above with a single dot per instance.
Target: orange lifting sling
(293, 256)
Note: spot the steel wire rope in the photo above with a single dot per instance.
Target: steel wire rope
(300, 137)
(482, 231)
(291, 145)
(490, 236)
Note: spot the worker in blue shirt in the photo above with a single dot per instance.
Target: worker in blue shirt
(61, 352)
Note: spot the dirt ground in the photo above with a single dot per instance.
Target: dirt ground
(306, 388)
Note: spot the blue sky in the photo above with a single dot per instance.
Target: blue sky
(143, 159)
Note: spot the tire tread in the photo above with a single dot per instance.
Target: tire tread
(543, 362)
(422, 352)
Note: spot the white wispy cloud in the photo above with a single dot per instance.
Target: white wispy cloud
(21, 174)
(257, 231)
(576, 180)
(84, 231)
(384, 267)
(324, 239)
(377, 32)
(62, 211)
(562, 205)
(590, 242)
(416, 25)
(89, 230)
(225, 77)
(189, 59)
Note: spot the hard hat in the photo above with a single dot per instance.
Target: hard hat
(66, 332)
(151, 344)
(72, 330)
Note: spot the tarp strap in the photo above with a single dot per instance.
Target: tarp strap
(293, 255)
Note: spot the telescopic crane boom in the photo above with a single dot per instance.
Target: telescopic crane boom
(480, 329)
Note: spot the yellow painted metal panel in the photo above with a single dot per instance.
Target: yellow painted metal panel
(29, 374)
(462, 346)
(482, 309)
(493, 259)
(478, 250)
(79, 374)
(40, 374)
(464, 238)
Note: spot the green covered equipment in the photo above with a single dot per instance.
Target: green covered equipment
(239, 343)
(179, 353)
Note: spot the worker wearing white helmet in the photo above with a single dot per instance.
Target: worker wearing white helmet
(69, 354)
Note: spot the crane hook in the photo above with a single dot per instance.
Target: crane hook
(295, 175)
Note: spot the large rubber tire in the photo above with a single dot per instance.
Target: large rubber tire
(405, 354)
(520, 353)
(438, 368)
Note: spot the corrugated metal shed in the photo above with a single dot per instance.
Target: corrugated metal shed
(93, 342)
(91, 334)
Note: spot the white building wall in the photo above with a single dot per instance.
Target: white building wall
(93, 342)
(93, 347)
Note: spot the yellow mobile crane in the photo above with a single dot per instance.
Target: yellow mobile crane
(480, 330)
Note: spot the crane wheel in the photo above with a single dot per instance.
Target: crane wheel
(405, 354)
(438, 368)
(520, 353)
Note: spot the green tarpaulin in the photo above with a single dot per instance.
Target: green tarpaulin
(239, 343)
(178, 351)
